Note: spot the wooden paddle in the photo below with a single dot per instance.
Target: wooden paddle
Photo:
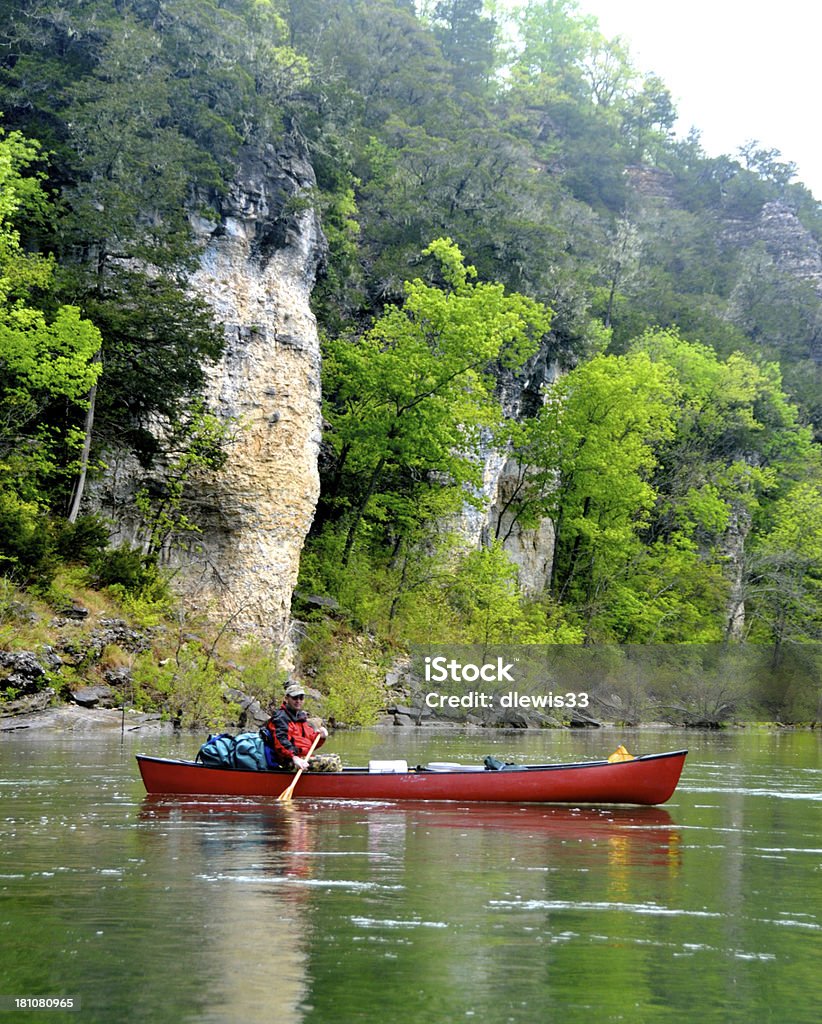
(286, 793)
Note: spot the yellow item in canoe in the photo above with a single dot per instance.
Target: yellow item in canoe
(620, 754)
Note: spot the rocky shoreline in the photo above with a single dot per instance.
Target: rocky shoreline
(31, 679)
(75, 718)
(34, 699)
(88, 712)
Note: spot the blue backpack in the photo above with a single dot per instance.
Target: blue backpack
(249, 752)
(226, 751)
(217, 751)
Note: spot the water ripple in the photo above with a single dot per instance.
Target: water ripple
(633, 908)
(313, 883)
(742, 791)
(372, 922)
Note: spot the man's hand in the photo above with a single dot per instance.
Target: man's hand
(300, 762)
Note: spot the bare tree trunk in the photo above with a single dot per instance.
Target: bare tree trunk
(360, 510)
(611, 296)
(80, 483)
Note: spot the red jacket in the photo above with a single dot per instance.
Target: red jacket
(286, 734)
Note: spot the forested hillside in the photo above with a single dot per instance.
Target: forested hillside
(524, 265)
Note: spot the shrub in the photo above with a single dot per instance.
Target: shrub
(27, 549)
(82, 541)
(186, 688)
(137, 582)
(125, 567)
(350, 675)
(260, 674)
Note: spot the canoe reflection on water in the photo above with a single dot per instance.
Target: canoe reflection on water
(372, 885)
(624, 835)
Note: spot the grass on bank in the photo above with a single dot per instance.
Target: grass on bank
(135, 638)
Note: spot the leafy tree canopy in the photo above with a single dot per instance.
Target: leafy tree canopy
(410, 397)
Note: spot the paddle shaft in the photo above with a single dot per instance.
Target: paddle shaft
(286, 794)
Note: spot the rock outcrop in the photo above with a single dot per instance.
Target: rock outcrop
(775, 242)
(257, 272)
(793, 248)
(530, 549)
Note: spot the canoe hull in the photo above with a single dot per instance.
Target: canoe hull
(650, 779)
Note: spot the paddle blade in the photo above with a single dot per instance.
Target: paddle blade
(286, 793)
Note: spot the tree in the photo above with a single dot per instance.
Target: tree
(572, 85)
(649, 119)
(47, 361)
(408, 400)
(483, 589)
(588, 458)
(738, 445)
(785, 570)
(621, 262)
(766, 163)
(164, 502)
(467, 38)
(147, 128)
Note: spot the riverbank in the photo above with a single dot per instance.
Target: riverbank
(91, 652)
(74, 718)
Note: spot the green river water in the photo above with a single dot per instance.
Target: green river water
(708, 909)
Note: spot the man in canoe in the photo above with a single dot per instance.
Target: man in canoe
(288, 736)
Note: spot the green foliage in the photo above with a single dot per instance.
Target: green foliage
(682, 479)
(136, 581)
(260, 674)
(737, 435)
(150, 607)
(593, 112)
(83, 540)
(27, 551)
(785, 571)
(409, 398)
(589, 456)
(194, 446)
(146, 129)
(186, 688)
(669, 593)
(47, 360)
(490, 609)
(467, 40)
(125, 567)
(435, 591)
(652, 466)
(350, 675)
(10, 605)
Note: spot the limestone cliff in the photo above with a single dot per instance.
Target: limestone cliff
(790, 247)
(531, 549)
(257, 271)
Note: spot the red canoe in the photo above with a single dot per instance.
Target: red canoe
(649, 779)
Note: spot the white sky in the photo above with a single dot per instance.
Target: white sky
(737, 70)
